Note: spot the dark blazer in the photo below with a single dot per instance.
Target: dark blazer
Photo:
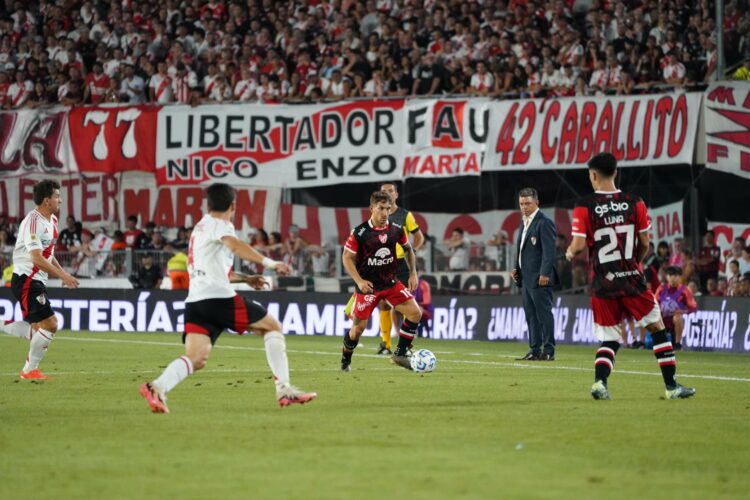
(538, 254)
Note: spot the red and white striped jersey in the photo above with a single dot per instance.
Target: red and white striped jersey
(34, 233)
(97, 86)
(674, 71)
(209, 260)
(19, 93)
(162, 86)
(182, 85)
(244, 90)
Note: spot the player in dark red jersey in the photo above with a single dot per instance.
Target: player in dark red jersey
(370, 259)
(614, 226)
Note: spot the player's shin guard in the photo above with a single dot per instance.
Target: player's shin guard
(604, 362)
(348, 350)
(40, 341)
(664, 353)
(405, 336)
(177, 371)
(276, 357)
(385, 327)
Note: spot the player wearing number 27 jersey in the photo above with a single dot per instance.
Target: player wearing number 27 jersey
(614, 227)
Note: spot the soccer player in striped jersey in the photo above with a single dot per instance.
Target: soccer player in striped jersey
(33, 262)
(614, 226)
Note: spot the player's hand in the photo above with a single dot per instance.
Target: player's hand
(413, 282)
(569, 255)
(283, 269)
(365, 286)
(256, 281)
(514, 276)
(543, 280)
(70, 281)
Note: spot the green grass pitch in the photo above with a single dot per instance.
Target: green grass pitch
(481, 426)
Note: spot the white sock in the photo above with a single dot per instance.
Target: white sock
(40, 340)
(177, 371)
(19, 329)
(276, 356)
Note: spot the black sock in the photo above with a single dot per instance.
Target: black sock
(604, 362)
(665, 357)
(349, 346)
(405, 337)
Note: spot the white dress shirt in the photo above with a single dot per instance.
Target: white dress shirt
(526, 224)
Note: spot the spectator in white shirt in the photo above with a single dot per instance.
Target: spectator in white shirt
(376, 87)
(20, 90)
(132, 85)
(160, 86)
(183, 83)
(482, 82)
(550, 76)
(674, 71)
(458, 246)
(244, 89)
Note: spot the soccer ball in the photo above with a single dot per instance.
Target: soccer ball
(423, 361)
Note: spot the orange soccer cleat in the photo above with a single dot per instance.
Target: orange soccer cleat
(153, 399)
(34, 374)
(290, 395)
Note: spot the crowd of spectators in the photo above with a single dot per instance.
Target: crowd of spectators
(191, 51)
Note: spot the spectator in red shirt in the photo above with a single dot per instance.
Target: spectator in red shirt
(675, 300)
(97, 83)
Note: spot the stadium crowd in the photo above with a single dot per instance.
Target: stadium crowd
(191, 51)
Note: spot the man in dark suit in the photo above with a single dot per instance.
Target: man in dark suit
(536, 275)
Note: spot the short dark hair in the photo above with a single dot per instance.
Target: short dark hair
(389, 183)
(134, 218)
(711, 232)
(735, 262)
(528, 192)
(219, 197)
(379, 196)
(604, 163)
(44, 189)
(674, 271)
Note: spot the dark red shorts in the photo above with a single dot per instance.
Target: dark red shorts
(365, 303)
(609, 313)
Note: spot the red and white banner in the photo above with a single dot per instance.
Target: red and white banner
(285, 146)
(726, 232)
(444, 138)
(102, 200)
(727, 122)
(567, 132)
(34, 141)
(667, 223)
(362, 141)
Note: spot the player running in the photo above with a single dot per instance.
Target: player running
(33, 262)
(212, 305)
(370, 259)
(614, 226)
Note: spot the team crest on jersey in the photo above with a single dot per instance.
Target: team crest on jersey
(533, 240)
(33, 236)
(42, 299)
(383, 238)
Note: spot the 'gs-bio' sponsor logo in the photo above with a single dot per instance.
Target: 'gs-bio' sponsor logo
(382, 258)
(612, 206)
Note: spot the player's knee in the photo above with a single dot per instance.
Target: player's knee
(414, 315)
(50, 324)
(199, 360)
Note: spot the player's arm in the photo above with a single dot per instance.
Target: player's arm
(56, 264)
(643, 224)
(580, 229)
(413, 228)
(692, 306)
(248, 253)
(56, 272)
(411, 260)
(349, 260)
(642, 248)
(256, 280)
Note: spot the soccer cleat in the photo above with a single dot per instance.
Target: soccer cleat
(155, 401)
(402, 361)
(599, 391)
(35, 374)
(346, 365)
(383, 350)
(290, 395)
(679, 392)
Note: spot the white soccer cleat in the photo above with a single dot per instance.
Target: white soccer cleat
(679, 392)
(599, 391)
